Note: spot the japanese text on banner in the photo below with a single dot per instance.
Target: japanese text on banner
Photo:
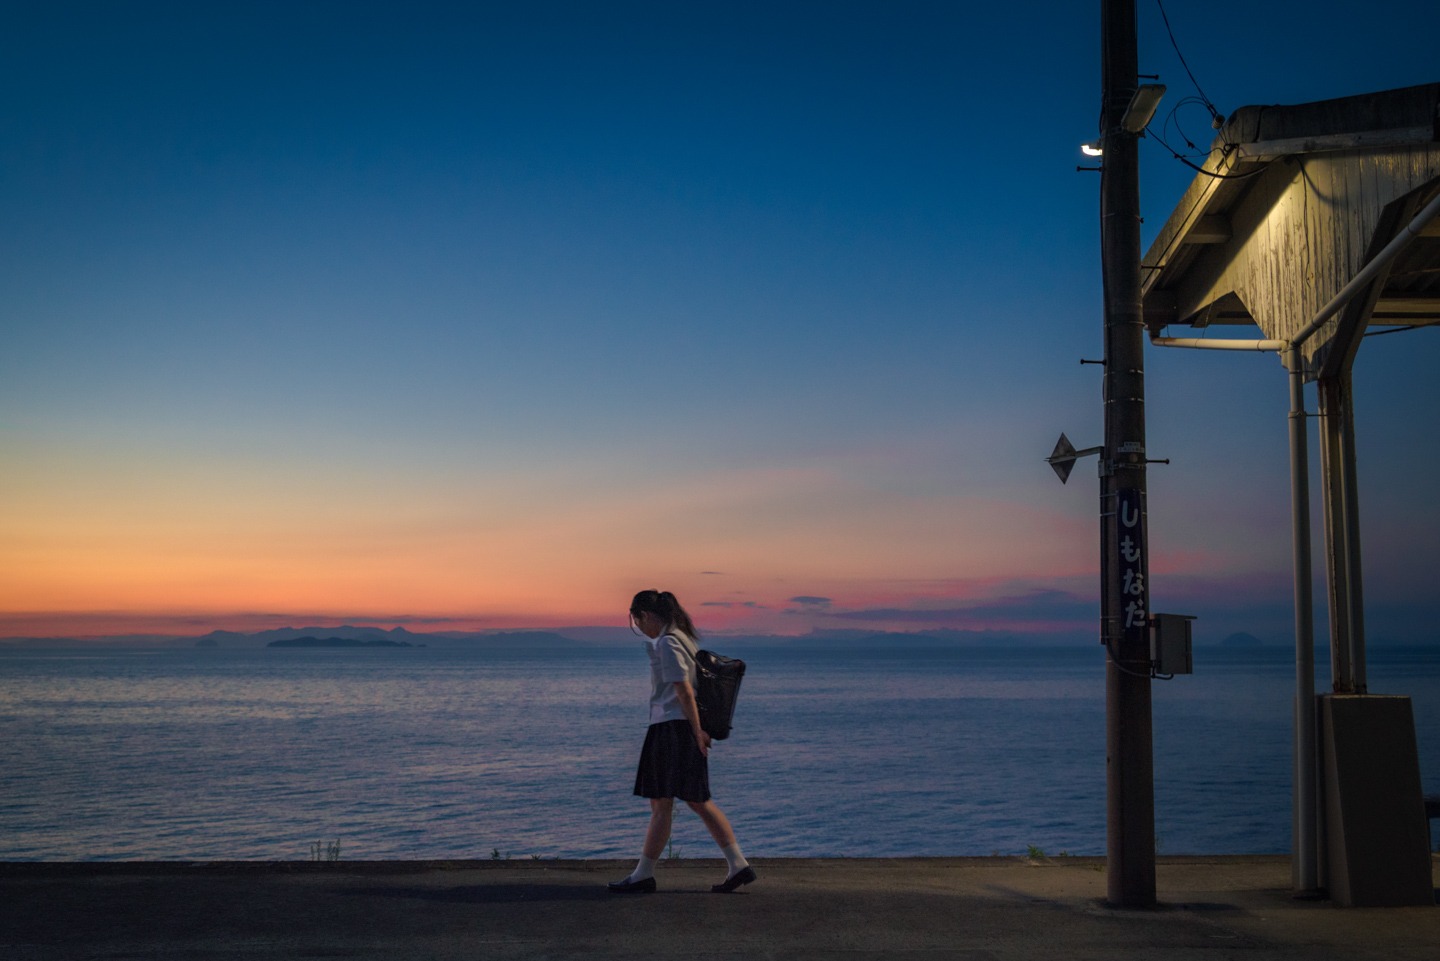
(1134, 592)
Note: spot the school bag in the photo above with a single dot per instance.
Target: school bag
(717, 685)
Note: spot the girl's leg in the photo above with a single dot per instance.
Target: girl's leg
(719, 827)
(715, 822)
(656, 835)
(662, 809)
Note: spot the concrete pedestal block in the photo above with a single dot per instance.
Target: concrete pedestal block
(1376, 835)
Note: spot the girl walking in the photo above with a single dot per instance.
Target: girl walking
(674, 761)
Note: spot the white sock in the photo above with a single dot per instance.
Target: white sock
(644, 869)
(734, 859)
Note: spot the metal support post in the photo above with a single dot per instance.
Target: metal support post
(1304, 821)
(1129, 781)
(1349, 480)
(1337, 589)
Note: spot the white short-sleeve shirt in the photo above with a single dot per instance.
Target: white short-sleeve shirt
(672, 658)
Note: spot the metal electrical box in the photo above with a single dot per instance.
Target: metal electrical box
(1170, 643)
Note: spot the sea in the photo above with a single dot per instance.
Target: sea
(398, 753)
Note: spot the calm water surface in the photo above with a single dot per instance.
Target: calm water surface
(420, 753)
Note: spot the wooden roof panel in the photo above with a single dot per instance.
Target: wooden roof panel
(1290, 205)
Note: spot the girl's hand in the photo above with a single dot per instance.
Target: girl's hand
(686, 694)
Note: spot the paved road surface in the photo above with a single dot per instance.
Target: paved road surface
(925, 909)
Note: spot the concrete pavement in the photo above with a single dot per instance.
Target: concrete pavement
(935, 909)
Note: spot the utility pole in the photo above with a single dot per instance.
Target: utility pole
(1124, 548)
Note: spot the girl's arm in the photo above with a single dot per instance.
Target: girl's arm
(686, 693)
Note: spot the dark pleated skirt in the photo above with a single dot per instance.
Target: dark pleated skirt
(671, 764)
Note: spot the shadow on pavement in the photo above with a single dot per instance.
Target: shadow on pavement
(491, 893)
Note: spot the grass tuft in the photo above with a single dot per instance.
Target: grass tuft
(320, 851)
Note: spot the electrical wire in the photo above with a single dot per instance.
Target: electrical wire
(1215, 115)
(1173, 117)
(1153, 675)
(1217, 118)
(1393, 330)
(1187, 162)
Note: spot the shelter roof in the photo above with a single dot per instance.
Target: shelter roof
(1290, 204)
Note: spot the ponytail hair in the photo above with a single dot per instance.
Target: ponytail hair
(664, 604)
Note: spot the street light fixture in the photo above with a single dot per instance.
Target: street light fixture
(1137, 115)
(1142, 107)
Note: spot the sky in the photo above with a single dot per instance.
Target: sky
(467, 316)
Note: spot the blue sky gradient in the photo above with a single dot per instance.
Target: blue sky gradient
(500, 313)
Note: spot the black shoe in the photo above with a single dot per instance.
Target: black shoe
(627, 886)
(743, 876)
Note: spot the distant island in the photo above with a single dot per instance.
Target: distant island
(1241, 639)
(335, 642)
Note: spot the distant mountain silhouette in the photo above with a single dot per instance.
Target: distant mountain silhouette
(365, 637)
(567, 639)
(378, 637)
(336, 642)
(1241, 639)
(937, 637)
(263, 638)
(515, 639)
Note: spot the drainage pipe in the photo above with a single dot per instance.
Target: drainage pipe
(1203, 343)
(1304, 824)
